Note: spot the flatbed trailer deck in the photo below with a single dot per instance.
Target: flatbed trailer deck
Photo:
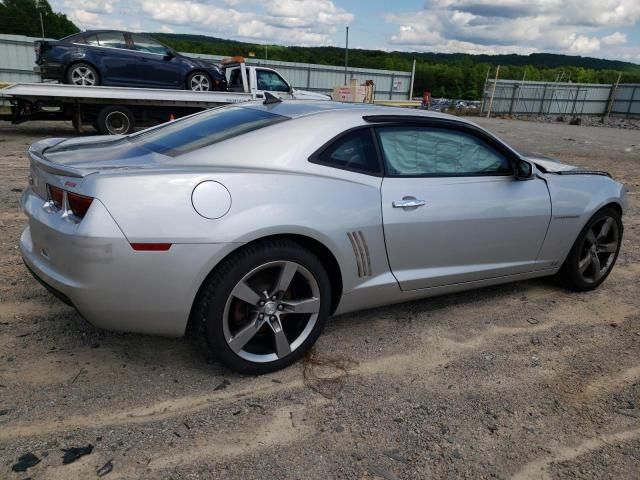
(108, 109)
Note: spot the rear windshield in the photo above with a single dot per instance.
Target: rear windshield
(207, 128)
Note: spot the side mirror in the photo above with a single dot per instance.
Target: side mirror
(169, 54)
(524, 170)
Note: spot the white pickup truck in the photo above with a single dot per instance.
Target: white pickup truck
(117, 110)
(256, 80)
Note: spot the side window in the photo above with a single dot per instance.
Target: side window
(145, 44)
(353, 151)
(111, 40)
(271, 81)
(91, 40)
(418, 151)
(235, 80)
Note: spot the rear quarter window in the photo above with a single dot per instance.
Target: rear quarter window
(198, 131)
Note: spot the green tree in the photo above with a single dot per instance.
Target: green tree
(22, 17)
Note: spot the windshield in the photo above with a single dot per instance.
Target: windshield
(207, 128)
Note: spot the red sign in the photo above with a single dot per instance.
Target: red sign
(426, 98)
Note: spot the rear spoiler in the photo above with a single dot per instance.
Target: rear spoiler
(41, 162)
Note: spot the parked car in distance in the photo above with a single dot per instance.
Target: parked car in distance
(123, 59)
(253, 223)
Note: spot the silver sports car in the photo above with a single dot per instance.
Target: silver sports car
(252, 224)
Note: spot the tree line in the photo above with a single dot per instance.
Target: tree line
(451, 75)
(22, 17)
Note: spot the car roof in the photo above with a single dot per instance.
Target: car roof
(93, 32)
(301, 108)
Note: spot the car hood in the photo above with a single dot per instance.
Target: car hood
(551, 165)
(85, 155)
(198, 62)
(547, 164)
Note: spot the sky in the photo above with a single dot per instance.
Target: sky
(597, 28)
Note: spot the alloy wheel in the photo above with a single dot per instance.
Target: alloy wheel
(200, 83)
(83, 76)
(271, 311)
(599, 249)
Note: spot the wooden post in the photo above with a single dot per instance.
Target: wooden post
(493, 92)
(631, 100)
(612, 95)
(413, 74)
(484, 89)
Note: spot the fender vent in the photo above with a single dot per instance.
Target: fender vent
(361, 251)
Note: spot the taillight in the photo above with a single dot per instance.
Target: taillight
(55, 195)
(78, 204)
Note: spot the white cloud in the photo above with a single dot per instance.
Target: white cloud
(616, 38)
(92, 6)
(582, 44)
(311, 22)
(500, 26)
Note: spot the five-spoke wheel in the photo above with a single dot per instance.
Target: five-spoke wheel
(594, 252)
(265, 306)
(82, 74)
(199, 82)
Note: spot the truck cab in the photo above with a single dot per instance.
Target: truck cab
(256, 80)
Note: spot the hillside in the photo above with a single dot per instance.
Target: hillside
(454, 75)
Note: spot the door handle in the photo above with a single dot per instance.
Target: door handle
(408, 202)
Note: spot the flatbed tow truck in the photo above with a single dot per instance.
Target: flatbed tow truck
(117, 110)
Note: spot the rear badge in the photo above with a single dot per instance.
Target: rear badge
(69, 184)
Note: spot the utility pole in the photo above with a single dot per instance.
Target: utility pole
(266, 53)
(346, 57)
(41, 22)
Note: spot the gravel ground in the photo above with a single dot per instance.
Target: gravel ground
(519, 381)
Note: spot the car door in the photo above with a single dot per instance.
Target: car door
(453, 212)
(116, 63)
(156, 66)
(270, 81)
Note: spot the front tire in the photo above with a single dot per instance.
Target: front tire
(264, 306)
(199, 82)
(595, 251)
(82, 74)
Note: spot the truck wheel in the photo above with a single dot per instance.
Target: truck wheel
(199, 82)
(83, 74)
(114, 120)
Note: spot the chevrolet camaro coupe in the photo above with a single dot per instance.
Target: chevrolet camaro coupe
(252, 224)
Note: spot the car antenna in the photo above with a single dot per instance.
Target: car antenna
(270, 98)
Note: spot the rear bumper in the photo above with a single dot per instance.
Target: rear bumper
(92, 266)
(50, 71)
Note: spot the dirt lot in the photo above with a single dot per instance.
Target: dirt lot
(520, 381)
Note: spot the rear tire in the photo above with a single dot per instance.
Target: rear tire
(264, 306)
(82, 74)
(594, 253)
(114, 120)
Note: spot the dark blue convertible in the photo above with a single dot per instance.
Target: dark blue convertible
(123, 59)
